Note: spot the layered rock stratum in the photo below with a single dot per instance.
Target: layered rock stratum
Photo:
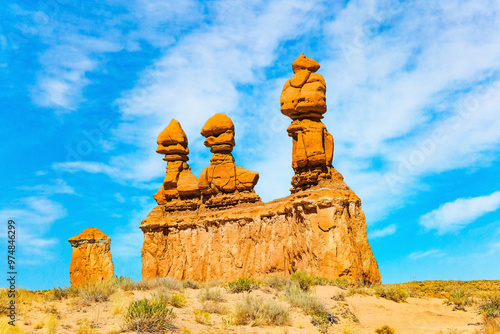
(91, 259)
(320, 228)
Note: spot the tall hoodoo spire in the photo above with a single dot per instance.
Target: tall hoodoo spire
(303, 100)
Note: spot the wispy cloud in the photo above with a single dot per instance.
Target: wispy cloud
(34, 217)
(453, 216)
(58, 186)
(388, 230)
(422, 254)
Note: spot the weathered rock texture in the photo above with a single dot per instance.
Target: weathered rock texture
(180, 187)
(321, 231)
(223, 183)
(303, 100)
(91, 260)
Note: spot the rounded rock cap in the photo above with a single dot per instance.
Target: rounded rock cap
(89, 234)
(216, 125)
(304, 63)
(172, 135)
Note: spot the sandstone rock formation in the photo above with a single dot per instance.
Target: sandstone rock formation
(303, 100)
(319, 229)
(180, 187)
(223, 183)
(91, 259)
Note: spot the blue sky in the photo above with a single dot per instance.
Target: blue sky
(413, 94)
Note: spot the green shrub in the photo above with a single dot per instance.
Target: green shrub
(190, 284)
(97, 292)
(385, 330)
(178, 300)
(491, 306)
(340, 282)
(148, 316)
(394, 292)
(214, 294)
(460, 297)
(202, 317)
(278, 283)
(303, 279)
(243, 284)
(261, 312)
(61, 293)
(309, 303)
(323, 321)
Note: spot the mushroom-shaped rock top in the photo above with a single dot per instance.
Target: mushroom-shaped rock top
(90, 234)
(304, 63)
(172, 135)
(216, 125)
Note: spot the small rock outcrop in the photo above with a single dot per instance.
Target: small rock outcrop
(223, 183)
(91, 259)
(180, 187)
(303, 100)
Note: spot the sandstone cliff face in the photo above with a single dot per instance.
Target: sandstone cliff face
(91, 259)
(321, 231)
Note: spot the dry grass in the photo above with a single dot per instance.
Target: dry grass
(202, 317)
(394, 292)
(212, 283)
(442, 289)
(213, 294)
(50, 324)
(119, 302)
(160, 282)
(97, 292)
(190, 284)
(460, 297)
(259, 311)
(5, 328)
(308, 302)
(359, 290)
(214, 307)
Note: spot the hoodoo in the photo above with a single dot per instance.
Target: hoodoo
(227, 232)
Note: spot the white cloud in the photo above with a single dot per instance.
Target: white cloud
(34, 217)
(386, 231)
(421, 254)
(58, 186)
(119, 197)
(453, 216)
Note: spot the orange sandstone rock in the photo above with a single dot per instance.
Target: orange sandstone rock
(180, 187)
(303, 100)
(219, 181)
(91, 260)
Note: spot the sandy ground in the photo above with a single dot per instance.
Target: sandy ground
(417, 315)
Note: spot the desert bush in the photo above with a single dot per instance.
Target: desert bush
(243, 284)
(214, 307)
(190, 284)
(148, 316)
(158, 282)
(214, 294)
(339, 296)
(340, 282)
(202, 317)
(97, 292)
(460, 297)
(317, 280)
(356, 290)
(119, 302)
(308, 302)
(261, 312)
(323, 321)
(85, 328)
(62, 293)
(212, 283)
(50, 324)
(303, 279)
(126, 283)
(178, 300)
(278, 283)
(491, 305)
(385, 330)
(394, 292)
(491, 325)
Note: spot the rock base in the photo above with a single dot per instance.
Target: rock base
(321, 231)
